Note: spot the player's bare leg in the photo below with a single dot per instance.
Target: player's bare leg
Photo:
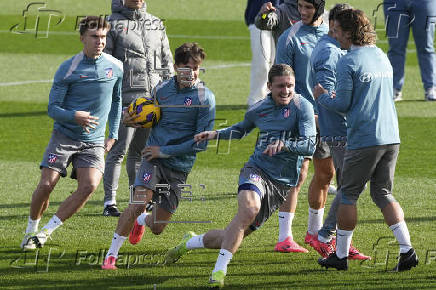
(158, 220)
(41, 195)
(88, 180)
(286, 214)
(317, 196)
(140, 197)
(228, 240)
(39, 204)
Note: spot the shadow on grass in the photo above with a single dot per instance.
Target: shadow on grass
(408, 220)
(23, 114)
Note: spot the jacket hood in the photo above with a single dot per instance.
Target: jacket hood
(118, 7)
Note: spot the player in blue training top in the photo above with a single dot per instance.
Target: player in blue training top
(295, 47)
(287, 133)
(400, 15)
(332, 130)
(86, 93)
(187, 108)
(364, 94)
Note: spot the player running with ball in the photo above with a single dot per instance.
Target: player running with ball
(187, 108)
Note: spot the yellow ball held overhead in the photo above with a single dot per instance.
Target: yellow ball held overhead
(146, 111)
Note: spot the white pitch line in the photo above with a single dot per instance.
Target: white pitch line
(24, 83)
(42, 33)
(220, 66)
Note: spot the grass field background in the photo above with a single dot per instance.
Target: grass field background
(72, 258)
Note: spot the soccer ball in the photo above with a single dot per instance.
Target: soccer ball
(146, 111)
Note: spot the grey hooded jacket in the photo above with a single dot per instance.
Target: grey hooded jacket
(286, 14)
(139, 40)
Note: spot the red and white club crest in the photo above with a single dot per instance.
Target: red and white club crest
(286, 112)
(109, 72)
(188, 101)
(254, 177)
(146, 177)
(52, 158)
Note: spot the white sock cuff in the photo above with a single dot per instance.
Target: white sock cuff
(226, 253)
(395, 226)
(34, 221)
(57, 220)
(285, 214)
(344, 232)
(195, 242)
(141, 219)
(316, 211)
(110, 202)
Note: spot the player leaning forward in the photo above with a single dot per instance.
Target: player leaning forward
(287, 133)
(364, 94)
(187, 108)
(86, 93)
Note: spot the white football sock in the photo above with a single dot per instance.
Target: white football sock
(402, 235)
(141, 218)
(110, 202)
(117, 242)
(32, 225)
(343, 242)
(223, 260)
(195, 242)
(314, 222)
(285, 225)
(52, 224)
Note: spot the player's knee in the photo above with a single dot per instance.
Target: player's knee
(250, 213)
(157, 229)
(382, 200)
(324, 175)
(349, 199)
(46, 187)
(138, 209)
(88, 188)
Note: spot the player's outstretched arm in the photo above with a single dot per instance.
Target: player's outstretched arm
(204, 136)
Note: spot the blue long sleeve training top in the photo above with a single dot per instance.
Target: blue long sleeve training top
(91, 85)
(294, 124)
(364, 93)
(323, 61)
(294, 48)
(184, 113)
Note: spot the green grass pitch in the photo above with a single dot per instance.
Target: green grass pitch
(71, 260)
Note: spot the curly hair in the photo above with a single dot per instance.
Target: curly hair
(189, 50)
(359, 26)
